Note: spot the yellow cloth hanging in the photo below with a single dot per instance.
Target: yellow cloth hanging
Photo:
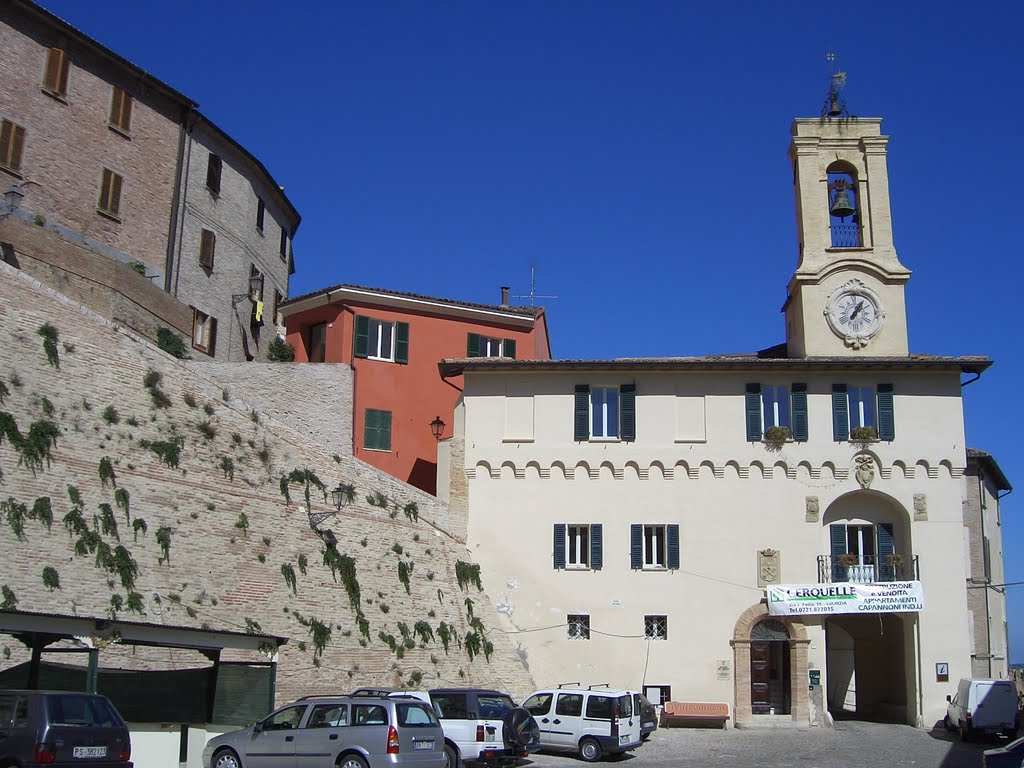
(259, 311)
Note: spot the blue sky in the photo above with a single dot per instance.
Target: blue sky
(635, 152)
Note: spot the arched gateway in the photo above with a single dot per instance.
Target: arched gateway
(770, 663)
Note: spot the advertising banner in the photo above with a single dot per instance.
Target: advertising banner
(845, 597)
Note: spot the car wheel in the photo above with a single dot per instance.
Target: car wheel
(226, 758)
(590, 750)
(352, 761)
(451, 756)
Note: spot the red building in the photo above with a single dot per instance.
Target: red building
(393, 341)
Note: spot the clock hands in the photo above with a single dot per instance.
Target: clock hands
(857, 309)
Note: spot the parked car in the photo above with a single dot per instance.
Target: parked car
(644, 709)
(481, 726)
(62, 728)
(593, 721)
(1009, 756)
(982, 707)
(328, 731)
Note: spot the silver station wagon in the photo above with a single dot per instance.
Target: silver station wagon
(329, 731)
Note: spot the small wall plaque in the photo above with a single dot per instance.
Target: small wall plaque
(723, 669)
(920, 506)
(769, 567)
(942, 672)
(811, 509)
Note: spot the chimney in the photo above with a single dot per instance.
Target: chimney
(504, 295)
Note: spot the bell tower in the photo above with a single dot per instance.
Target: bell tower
(846, 297)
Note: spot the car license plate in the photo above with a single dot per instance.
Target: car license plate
(423, 744)
(624, 739)
(89, 752)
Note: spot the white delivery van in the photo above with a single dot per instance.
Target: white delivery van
(593, 721)
(982, 707)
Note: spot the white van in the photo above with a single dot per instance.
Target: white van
(982, 707)
(592, 721)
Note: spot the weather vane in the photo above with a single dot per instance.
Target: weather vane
(835, 104)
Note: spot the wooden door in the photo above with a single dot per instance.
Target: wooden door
(760, 677)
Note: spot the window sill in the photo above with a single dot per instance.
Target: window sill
(377, 450)
(604, 440)
(853, 248)
(577, 568)
(119, 131)
(198, 348)
(380, 359)
(109, 215)
(260, 232)
(11, 171)
(517, 440)
(61, 97)
(654, 568)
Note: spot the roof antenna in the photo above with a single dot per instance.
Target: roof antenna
(835, 104)
(533, 295)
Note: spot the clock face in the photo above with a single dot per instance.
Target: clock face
(854, 313)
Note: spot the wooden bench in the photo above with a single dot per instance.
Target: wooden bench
(701, 714)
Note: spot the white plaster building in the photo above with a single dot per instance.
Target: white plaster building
(632, 514)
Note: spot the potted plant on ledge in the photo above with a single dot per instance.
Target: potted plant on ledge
(776, 436)
(863, 435)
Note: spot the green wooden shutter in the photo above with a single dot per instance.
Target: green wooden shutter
(361, 345)
(559, 545)
(886, 417)
(581, 414)
(636, 546)
(401, 343)
(385, 430)
(596, 546)
(753, 412)
(840, 413)
(508, 348)
(884, 568)
(371, 429)
(627, 412)
(799, 405)
(837, 538)
(673, 546)
(472, 345)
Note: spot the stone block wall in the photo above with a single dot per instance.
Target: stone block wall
(230, 528)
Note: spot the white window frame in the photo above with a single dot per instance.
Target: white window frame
(375, 344)
(607, 391)
(492, 347)
(578, 626)
(770, 418)
(656, 627)
(202, 325)
(655, 544)
(573, 536)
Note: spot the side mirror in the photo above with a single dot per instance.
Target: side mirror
(257, 726)
(948, 697)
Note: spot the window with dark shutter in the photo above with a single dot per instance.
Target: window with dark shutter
(886, 416)
(558, 545)
(12, 140)
(472, 345)
(581, 413)
(361, 341)
(213, 169)
(207, 248)
(673, 546)
(110, 193)
(377, 430)
(261, 209)
(284, 244)
(596, 546)
(508, 348)
(840, 413)
(627, 412)
(753, 412)
(318, 343)
(636, 547)
(800, 425)
(120, 110)
(402, 343)
(55, 76)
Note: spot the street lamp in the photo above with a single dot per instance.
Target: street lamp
(437, 427)
(255, 288)
(340, 496)
(12, 200)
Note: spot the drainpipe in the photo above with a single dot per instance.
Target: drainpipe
(988, 577)
(189, 126)
(175, 201)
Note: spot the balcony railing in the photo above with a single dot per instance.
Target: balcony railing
(867, 569)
